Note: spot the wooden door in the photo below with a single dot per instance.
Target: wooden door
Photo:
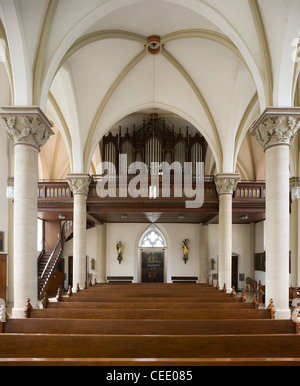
(70, 271)
(234, 274)
(153, 266)
(3, 273)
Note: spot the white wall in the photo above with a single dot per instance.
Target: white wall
(130, 234)
(240, 247)
(95, 249)
(260, 237)
(260, 248)
(3, 184)
(102, 240)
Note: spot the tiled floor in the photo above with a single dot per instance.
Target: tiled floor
(9, 308)
(250, 297)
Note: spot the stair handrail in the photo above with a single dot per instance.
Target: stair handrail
(41, 254)
(53, 252)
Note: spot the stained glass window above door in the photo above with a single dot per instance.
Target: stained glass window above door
(153, 238)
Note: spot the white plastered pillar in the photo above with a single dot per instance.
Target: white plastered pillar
(79, 184)
(101, 254)
(294, 183)
(225, 185)
(275, 130)
(29, 129)
(204, 253)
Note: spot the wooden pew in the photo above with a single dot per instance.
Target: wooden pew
(153, 288)
(151, 305)
(144, 291)
(205, 299)
(67, 349)
(67, 335)
(151, 314)
(141, 285)
(150, 327)
(136, 294)
(294, 292)
(201, 299)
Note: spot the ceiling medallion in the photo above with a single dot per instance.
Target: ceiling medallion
(154, 46)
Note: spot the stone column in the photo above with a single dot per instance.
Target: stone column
(226, 185)
(79, 184)
(204, 254)
(275, 130)
(101, 254)
(294, 184)
(252, 251)
(29, 129)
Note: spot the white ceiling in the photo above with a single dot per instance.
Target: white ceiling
(85, 64)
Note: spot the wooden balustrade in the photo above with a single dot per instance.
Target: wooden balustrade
(60, 190)
(54, 190)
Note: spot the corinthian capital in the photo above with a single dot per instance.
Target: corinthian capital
(26, 125)
(277, 127)
(79, 183)
(226, 183)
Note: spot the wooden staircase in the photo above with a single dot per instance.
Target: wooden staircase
(47, 265)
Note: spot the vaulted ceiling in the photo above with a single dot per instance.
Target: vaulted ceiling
(85, 64)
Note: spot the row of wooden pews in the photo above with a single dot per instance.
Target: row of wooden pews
(149, 324)
(294, 292)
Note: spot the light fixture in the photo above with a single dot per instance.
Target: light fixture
(152, 191)
(10, 188)
(295, 189)
(124, 215)
(180, 216)
(295, 193)
(61, 216)
(154, 45)
(244, 217)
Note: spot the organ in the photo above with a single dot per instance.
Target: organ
(154, 141)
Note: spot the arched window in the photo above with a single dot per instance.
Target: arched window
(153, 238)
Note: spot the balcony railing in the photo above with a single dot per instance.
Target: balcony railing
(59, 191)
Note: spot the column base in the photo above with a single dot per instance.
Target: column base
(283, 314)
(17, 313)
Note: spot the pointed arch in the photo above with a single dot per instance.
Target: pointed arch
(152, 237)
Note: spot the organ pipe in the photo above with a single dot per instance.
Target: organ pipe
(155, 141)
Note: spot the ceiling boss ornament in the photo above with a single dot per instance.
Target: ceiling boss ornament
(154, 45)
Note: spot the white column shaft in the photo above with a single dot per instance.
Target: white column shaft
(79, 240)
(294, 243)
(29, 129)
(225, 240)
(203, 276)
(101, 254)
(25, 227)
(277, 229)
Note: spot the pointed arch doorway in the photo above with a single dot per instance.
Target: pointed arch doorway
(152, 247)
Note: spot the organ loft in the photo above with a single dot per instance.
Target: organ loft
(154, 141)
